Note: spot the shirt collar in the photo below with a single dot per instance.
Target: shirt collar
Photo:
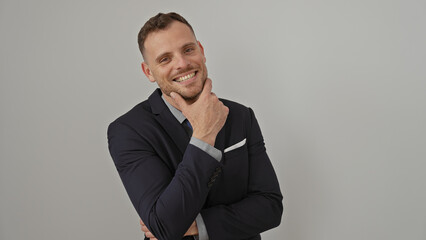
(178, 114)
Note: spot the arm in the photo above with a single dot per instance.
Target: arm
(168, 201)
(261, 209)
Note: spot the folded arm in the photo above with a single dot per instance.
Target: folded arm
(167, 202)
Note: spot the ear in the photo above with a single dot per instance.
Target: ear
(202, 50)
(147, 71)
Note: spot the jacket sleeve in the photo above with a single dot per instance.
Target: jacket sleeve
(167, 203)
(262, 207)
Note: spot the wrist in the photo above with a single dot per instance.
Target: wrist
(207, 139)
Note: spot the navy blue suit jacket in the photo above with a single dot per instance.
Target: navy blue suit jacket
(170, 181)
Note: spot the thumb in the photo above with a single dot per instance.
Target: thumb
(177, 98)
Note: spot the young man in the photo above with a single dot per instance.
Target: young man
(193, 165)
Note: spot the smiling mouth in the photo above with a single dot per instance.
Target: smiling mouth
(184, 78)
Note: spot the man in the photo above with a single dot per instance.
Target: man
(193, 165)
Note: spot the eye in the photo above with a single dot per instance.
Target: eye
(189, 50)
(164, 59)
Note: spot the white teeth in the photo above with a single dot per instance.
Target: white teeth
(186, 77)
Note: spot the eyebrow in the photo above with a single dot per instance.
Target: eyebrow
(157, 59)
(191, 44)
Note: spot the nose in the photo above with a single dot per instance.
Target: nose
(181, 62)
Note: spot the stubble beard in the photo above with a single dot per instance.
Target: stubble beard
(188, 98)
(195, 97)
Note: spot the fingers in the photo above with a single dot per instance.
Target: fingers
(207, 90)
(145, 229)
(178, 100)
(193, 229)
(207, 87)
(149, 235)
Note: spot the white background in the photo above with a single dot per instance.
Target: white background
(338, 87)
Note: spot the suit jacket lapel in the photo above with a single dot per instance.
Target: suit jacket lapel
(168, 121)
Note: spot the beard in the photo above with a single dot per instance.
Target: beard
(184, 91)
(195, 96)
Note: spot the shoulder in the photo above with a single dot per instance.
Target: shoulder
(237, 110)
(234, 106)
(139, 115)
(141, 110)
(239, 114)
(241, 119)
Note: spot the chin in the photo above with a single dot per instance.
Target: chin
(191, 97)
(192, 94)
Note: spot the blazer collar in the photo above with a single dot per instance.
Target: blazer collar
(168, 121)
(156, 103)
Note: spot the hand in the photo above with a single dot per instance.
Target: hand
(207, 115)
(193, 230)
(148, 234)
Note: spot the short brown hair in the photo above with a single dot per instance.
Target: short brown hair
(159, 22)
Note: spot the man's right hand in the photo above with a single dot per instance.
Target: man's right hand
(146, 231)
(193, 230)
(207, 115)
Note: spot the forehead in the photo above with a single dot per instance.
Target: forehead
(169, 39)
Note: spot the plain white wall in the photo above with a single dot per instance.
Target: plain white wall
(339, 88)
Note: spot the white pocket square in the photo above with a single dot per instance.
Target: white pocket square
(235, 146)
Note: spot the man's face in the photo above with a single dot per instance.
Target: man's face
(175, 60)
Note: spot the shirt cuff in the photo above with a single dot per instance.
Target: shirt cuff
(209, 149)
(202, 230)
